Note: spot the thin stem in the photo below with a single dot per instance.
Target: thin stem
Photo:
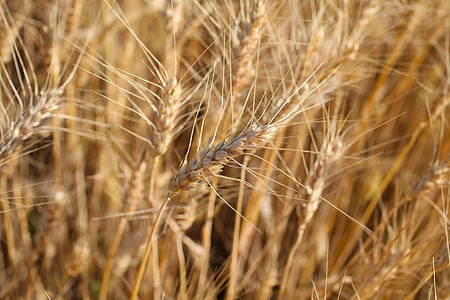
(144, 261)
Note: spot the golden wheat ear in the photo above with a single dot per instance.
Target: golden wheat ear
(211, 161)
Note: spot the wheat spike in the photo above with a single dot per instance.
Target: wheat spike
(30, 121)
(211, 161)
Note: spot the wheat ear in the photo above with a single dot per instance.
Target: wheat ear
(316, 181)
(243, 67)
(30, 121)
(167, 115)
(212, 159)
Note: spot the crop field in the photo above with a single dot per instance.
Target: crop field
(224, 149)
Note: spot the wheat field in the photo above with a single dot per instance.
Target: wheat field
(225, 149)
